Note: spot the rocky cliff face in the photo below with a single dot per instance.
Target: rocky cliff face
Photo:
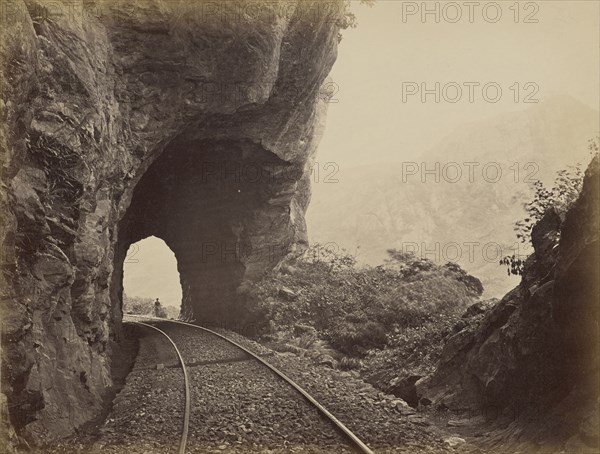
(192, 121)
(535, 353)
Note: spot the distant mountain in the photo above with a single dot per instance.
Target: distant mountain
(469, 217)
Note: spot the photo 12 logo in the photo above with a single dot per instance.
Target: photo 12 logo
(470, 12)
(470, 92)
(470, 172)
(465, 252)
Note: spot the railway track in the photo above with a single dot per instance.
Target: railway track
(206, 356)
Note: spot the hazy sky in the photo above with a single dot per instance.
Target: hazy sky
(150, 270)
(372, 122)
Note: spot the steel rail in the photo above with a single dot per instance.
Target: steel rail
(362, 447)
(186, 411)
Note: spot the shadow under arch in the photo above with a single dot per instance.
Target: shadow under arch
(224, 209)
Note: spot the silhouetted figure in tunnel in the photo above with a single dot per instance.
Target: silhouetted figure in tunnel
(157, 308)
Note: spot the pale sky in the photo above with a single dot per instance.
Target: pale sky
(150, 270)
(370, 123)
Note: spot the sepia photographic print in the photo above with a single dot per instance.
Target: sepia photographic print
(300, 226)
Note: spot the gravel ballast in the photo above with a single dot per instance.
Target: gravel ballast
(239, 405)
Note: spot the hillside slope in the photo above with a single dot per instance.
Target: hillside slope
(470, 221)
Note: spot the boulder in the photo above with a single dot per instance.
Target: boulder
(454, 442)
(403, 408)
(287, 293)
(404, 387)
(304, 330)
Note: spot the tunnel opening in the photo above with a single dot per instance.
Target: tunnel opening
(149, 273)
(225, 209)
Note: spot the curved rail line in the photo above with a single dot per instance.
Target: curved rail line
(186, 411)
(362, 447)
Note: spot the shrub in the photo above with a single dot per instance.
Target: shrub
(137, 305)
(383, 321)
(395, 313)
(355, 336)
(349, 363)
(562, 195)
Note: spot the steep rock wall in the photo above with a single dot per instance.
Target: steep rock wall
(533, 357)
(95, 94)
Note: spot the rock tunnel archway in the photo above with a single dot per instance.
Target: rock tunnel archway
(224, 209)
(109, 114)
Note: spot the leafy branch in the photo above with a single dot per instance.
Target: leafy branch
(562, 195)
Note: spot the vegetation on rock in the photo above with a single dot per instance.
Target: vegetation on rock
(566, 189)
(138, 305)
(390, 319)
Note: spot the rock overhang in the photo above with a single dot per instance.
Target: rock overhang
(98, 93)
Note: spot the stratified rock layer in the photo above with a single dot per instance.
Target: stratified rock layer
(192, 121)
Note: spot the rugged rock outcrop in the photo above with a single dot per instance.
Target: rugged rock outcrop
(192, 121)
(536, 351)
